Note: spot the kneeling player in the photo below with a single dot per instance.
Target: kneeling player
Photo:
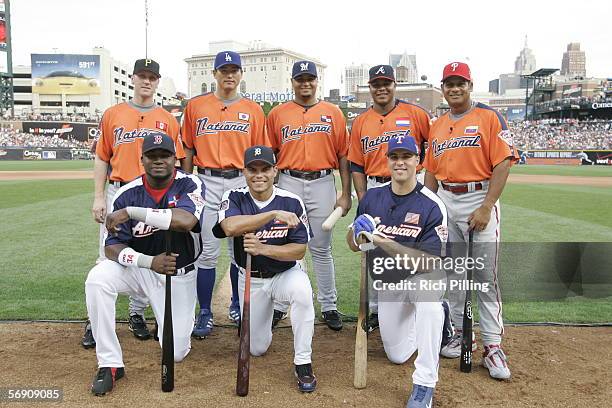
(414, 221)
(143, 210)
(271, 225)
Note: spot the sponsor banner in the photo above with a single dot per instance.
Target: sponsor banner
(42, 153)
(566, 157)
(67, 74)
(351, 114)
(572, 91)
(65, 130)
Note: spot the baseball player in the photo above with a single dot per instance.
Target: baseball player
(311, 140)
(164, 198)
(370, 132)
(404, 217)
(468, 161)
(117, 161)
(217, 128)
(271, 224)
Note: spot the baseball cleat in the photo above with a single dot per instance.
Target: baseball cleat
(138, 326)
(277, 317)
(234, 313)
(372, 322)
(307, 382)
(105, 379)
(494, 359)
(88, 340)
(421, 397)
(332, 319)
(204, 325)
(453, 348)
(447, 328)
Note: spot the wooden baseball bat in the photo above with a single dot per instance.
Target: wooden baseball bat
(244, 354)
(465, 364)
(361, 336)
(330, 221)
(167, 364)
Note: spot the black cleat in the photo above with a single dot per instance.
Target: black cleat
(332, 319)
(277, 317)
(88, 340)
(307, 382)
(138, 326)
(105, 379)
(372, 323)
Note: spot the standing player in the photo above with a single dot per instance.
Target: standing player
(414, 222)
(217, 128)
(118, 151)
(271, 224)
(311, 140)
(142, 211)
(370, 132)
(468, 161)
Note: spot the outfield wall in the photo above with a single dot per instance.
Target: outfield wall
(44, 153)
(566, 157)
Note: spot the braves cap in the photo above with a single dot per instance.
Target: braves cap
(158, 140)
(382, 71)
(227, 58)
(146, 64)
(259, 153)
(402, 142)
(304, 67)
(460, 69)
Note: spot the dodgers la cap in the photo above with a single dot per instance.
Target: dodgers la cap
(146, 64)
(460, 69)
(382, 71)
(158, 140)
(227, 58)
(304, 67)
(402, 142)
(259, 153)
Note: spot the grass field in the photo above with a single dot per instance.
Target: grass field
(49, 242)
(40, 165)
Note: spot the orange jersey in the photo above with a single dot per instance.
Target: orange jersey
(371, 132)
(467, 149)
(220, 134)
(122, 129)
(308, 139)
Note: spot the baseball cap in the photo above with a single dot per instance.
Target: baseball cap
(146, 64)
(259, 153)
(460, 69)
(304, 67)
(402, 142)
(158, 140)
(381, 71)
(227, 58)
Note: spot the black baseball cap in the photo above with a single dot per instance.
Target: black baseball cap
(304, 67)
(381, 71)
(158, 140)
(146, 64)
(259, 153)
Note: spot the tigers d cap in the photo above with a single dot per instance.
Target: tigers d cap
(259, 153)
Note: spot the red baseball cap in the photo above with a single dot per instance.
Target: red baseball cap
(460, 69)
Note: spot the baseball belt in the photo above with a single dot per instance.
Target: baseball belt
(463, 188)
(308, 175)
(260, 274)
(117, 183)
(224, 173)
(380, 179)
(185, 270)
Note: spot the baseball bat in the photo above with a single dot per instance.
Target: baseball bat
(244, 354)
(330, 221)
(167, 365)
(465, 364)
(361, 337)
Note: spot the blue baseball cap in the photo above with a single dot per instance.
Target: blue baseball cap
(158, 140)
(402, 142)
(227, 58)
(381, 71)
(304, 67)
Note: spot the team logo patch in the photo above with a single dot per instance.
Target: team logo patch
(196, 199)
(224, 205)
(471, 130)
(304, 219)
(412, 218)
(304, 66)
(402, 122)
(326, 118)
(161, 125)
(442, 232)
(506, 136)
(381, 70)
(243, 116)
(173, 201)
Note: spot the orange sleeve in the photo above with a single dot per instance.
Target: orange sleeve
(259, 136)
(271, 129)
(342, 137)
(104, 147)
(175, 135)
(500, 141)
(354, 150)
(187, 127)
(423, 120)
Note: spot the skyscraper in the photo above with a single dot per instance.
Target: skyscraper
(574, 61)
(525, 63)
(405, 67)
(355, 75)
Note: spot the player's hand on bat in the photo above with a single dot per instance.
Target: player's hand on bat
(479, 219)
(252, 244)
(287, 217)
(164, 264)
(114, 219)
(345, 202)
(99, 209)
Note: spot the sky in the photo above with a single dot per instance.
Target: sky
(488, 35)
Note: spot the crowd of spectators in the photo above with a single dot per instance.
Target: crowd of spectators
(572, 102)
(58, 117)
(562, 134)
(14, 138)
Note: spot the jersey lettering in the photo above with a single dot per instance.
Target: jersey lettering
(143, 230)
(121, 136)
(401, 231)
(205, 128)
(369, 144)
(274, 233)
(455, 143)
(288, 134)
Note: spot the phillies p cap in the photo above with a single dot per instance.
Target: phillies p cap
(304, 67)
(259, 153)
(146, 64)
(157, 140)
(402, 142)
(227, 58)
(381, 71)
(460, 69)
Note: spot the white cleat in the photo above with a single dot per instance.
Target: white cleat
(453, 348)
(496, 362)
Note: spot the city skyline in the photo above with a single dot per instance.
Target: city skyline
(176, 33)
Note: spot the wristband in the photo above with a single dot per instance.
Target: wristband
(157, 218)
(129, 257)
